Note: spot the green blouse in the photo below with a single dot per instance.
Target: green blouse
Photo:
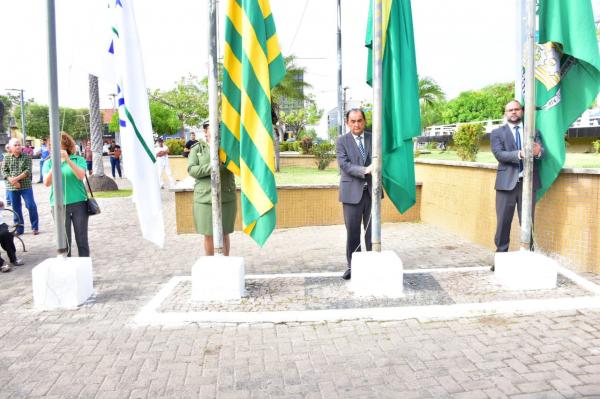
(74, 189)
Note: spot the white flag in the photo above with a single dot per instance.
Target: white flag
(136, 129)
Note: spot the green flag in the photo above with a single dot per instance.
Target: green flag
(567, 76)
(401, 119)
(253, 65)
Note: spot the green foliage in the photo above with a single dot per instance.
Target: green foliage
(175, 146)
(596, 145)
(297, 121)
(76, 122)
(466, 140)
(290, 87)
(189, 100)
(306, 145)
(324, 154)
(6, 101)
(289, 146)
(113, 125)
(36, 118)
(479, 105)
(332, 133)
(164, 118)
(312, 133)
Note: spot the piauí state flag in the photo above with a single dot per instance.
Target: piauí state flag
(134, 117)
(401, 120)
(567, 76)
(253, 65)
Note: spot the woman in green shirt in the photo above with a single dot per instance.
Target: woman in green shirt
(75, 196)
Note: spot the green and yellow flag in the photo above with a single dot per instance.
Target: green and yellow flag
(401, 119)
(253, 65)
(567, 76)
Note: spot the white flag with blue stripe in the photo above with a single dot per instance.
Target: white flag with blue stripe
(136, 129)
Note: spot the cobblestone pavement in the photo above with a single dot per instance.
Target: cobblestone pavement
(96, 352)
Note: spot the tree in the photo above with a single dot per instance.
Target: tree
(189, 99)
(36, 118)
(298, 120)
(164, 119)
(4, 111)
(76, 122)
(290, 87)
(479, 105)
(431, 101)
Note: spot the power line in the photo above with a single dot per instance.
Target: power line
(299, 25)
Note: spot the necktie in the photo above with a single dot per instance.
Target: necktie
(361, 148)
(519, 147)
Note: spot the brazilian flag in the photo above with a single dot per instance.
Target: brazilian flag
(253, 65)
(401, 119)
(567, 77)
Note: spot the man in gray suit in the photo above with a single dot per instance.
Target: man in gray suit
(353, 151)
(507, 147)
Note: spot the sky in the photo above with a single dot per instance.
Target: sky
(461, 44)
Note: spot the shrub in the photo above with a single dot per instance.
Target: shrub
(324, 154)
(466, 140)
(306, 145)
(175, 146)
(596, 145)
(283, 146)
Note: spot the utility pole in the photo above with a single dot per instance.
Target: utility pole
(57, 181)
(377, 126)
(340, 111)
(213, 109)
(529, 127)
(23, 124)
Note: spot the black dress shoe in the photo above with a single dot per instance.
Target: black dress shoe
(347, 274)
(492, 268)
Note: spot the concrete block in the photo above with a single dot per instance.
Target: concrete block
(525, 270)
(378, 274)
(218, 278)
(62, 283)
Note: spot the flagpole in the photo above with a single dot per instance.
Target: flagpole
(529, 127)
(57, 181)
(340, 90)
(213, 109)
(377, 122)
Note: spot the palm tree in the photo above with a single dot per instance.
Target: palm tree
(431, 97)
(290, 88)
(99, 181)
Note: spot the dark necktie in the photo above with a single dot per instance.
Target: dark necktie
(519, 147)
(361, 148)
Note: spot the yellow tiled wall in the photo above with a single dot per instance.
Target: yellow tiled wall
(297, 207)
(462, 200)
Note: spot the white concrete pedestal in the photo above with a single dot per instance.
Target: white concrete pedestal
(378, 274)
(62, 283)
(218, 278)
(525, 270)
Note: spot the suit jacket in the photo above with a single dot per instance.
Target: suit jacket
(352, 167)
(505, 150)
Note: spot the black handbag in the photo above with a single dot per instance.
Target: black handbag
(92, 205)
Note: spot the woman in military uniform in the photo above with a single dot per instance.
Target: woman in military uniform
(199, 168)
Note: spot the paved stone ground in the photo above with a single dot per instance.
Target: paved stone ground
(95, 352)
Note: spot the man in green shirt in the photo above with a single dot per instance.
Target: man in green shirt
(17, 171)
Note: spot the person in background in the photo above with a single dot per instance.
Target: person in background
(75, 195)
(7, 241)
(199, 168)
(17, 171)
(44, 154)
(189, 144)
(114, 150)
(162, 162)
(88, 157)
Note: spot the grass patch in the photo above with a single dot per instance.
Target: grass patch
(113, 194)
(310, 176)
(573, 160)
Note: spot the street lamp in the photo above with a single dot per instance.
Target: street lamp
(23, 126)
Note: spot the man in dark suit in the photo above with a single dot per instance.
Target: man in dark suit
(506, 142)
(353, 151)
